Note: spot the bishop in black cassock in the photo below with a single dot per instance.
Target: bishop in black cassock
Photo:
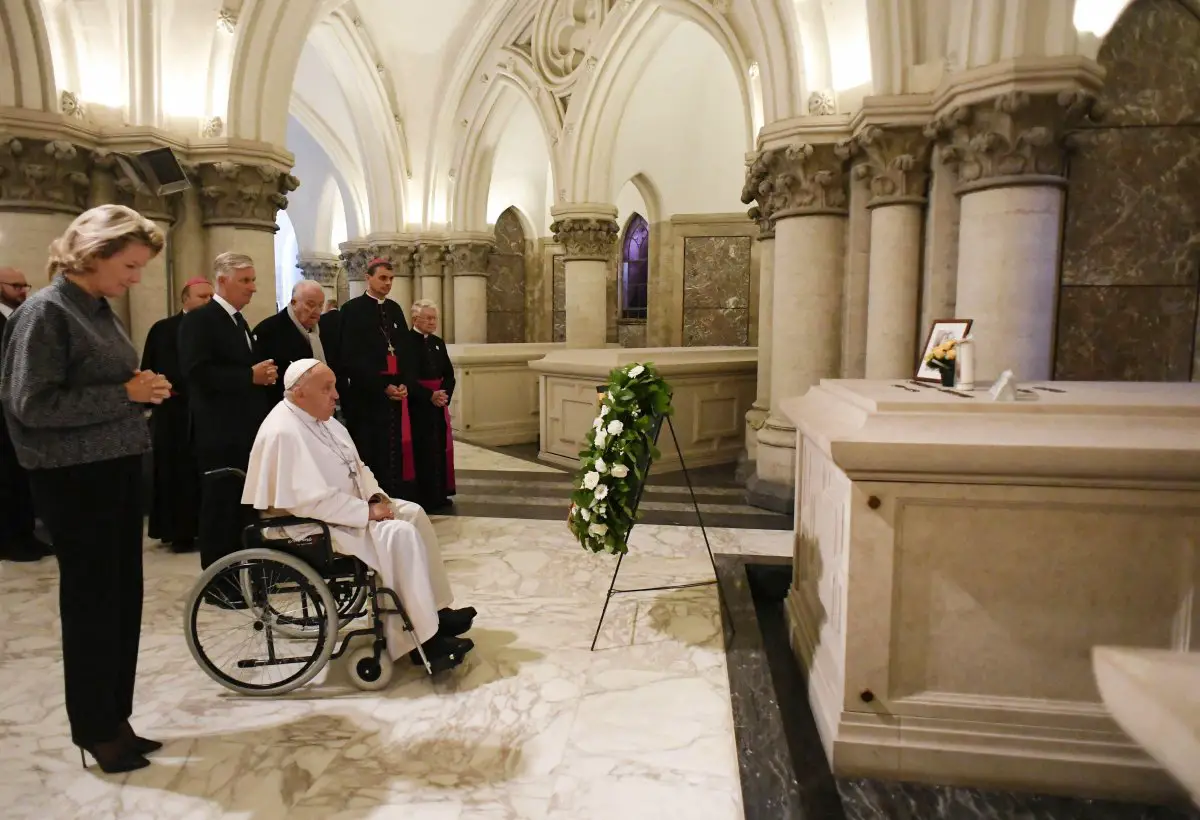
(372, 354)
(175, 506)
(430, 379)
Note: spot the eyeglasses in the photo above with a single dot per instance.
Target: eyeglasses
(15, 287)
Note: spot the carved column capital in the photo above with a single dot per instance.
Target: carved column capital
(400, 254)
(321, 269)
(895, 161)
(429, 258)
(469, 257)
(1014, 139)
(43, 175)
(354, 258)
(801, 179)
(244, 196)
(585, 238)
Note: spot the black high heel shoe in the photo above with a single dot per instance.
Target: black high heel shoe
(140, 745)
(113, 757)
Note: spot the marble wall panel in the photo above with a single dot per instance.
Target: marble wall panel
(560, 299)
(1152, 56)
(1133, 216)
(716, 290)
(1131, 230)
(506, 281)
(631, 333)
(1121, 333)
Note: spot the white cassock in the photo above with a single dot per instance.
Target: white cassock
(311, 469)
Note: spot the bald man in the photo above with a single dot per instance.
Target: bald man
(294, 333)
(17, 541)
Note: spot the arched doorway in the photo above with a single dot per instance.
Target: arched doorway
(1131, 254)
(506, 281)
(633, 281)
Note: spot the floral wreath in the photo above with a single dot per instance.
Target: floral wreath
(620, 448)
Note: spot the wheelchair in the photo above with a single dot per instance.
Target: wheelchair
(266, 618)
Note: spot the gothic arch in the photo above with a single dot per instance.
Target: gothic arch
(28, 78)
(378, 134)
(269, 38)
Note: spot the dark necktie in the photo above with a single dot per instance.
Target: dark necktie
(245, 326)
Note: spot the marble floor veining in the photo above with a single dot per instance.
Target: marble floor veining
(532, 726)
(469, 456)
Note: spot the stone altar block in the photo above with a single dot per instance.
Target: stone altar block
(713, 388)
(956, 559)
(496, 394)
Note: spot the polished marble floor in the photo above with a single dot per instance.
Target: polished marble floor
(533, 725)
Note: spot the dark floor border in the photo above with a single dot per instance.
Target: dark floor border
(784, 772)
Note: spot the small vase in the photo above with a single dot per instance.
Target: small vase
(947, 375)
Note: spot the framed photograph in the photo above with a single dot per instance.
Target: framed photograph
(941, 330)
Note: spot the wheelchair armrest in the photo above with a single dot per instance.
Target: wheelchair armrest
(320, 554)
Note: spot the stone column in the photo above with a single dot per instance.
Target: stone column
(44, 185)
(856, 288)
(322, 268)
(941, 246)
(805, 186)
(187, 247)
(399, 252)
(429, 265)
(588, 233)
(1010, 159)
(355, 256)
(897, 168)
(239, 203)
(468, 255)
(151, 300)
(756, 416)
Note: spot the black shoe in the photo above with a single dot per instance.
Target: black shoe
(139, 745)
(113, 757)
(441, 648)
(182, 545)
(454, 622)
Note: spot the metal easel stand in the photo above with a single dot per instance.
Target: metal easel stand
(612, 590)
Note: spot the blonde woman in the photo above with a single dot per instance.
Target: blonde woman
(75, 403)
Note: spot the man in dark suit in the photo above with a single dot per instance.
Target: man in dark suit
(175, 508)
(292, 333)
(17, 541)
(227, 379)
(429, 376)
(331, 339)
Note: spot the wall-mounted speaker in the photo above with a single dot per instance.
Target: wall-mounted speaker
(157, 171)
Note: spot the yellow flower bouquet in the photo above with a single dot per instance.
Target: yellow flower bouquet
(942, 359)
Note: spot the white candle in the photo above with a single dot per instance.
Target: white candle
(966, 365)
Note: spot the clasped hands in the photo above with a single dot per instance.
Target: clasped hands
(380, 509)
(148, 387)
(265, 373)
(396, 392)
(440, 398)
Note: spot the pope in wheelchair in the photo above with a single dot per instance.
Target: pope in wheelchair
(310, 562)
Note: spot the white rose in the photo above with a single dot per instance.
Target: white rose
(598, 423)
(591, 480)
(601, 467)
(598, 529)
(602, 492)
(615, 427)
(637, 371)
(583, 513)
(603, 410)
(619, 471)
(600, 439)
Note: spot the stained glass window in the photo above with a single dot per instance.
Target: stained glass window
(635, 268)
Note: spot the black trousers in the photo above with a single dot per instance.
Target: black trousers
(16, 505)
(94, 513)
(222, 518)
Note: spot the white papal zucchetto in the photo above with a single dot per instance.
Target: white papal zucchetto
(296, 371)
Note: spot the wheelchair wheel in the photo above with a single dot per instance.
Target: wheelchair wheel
(233, 616)
(368, 671)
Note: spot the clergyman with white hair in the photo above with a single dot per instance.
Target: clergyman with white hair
(305, 464)
(429, 377)
(228, 379)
